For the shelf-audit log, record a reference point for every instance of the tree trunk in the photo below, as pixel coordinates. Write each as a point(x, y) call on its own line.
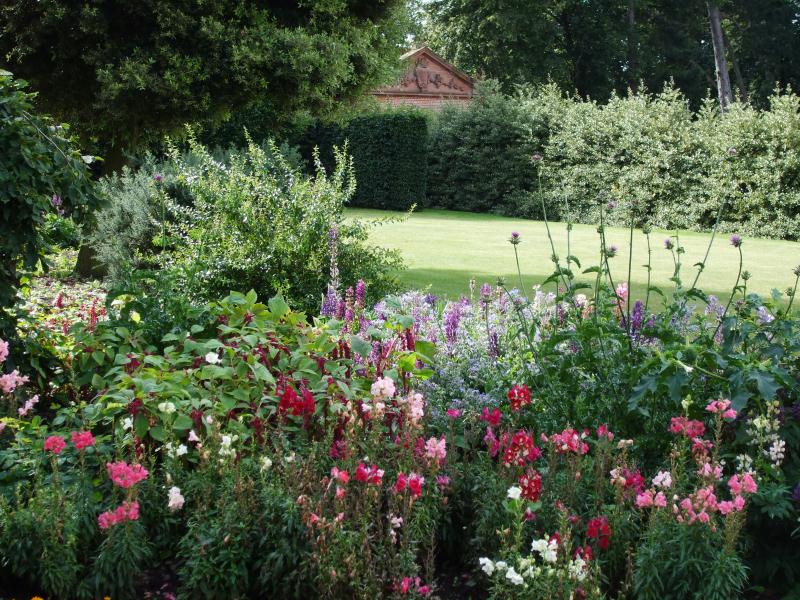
point(633, 47)
point(724, 91)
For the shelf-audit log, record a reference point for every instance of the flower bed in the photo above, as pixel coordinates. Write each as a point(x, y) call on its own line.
point(562, 446)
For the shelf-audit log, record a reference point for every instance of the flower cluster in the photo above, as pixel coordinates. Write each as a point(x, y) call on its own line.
point(54, 444)
point(82, 439)
point(519, 396)
point(369, 475)
point(294, 404)
point(124, 475)
point(127, 511)
point(688, 428)
point(599, 529)
point(722, 407)
point(411, 482)
point(521, 450)
point(568, 441)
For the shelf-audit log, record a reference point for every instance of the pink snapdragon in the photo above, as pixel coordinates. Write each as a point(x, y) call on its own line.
point(453, 413)
point(124, 475)
point(645, 499)
point(54, 444)
point(82, 440)
point(415, 483)
point(436, 450)
point(568, 441)
point(11, 381)
point(742, 483)
point(369, 475)
point(383, 388)
point(127, 511)
point(722, 407)
point(492, 417)
point(686, 427)
point(339, 475)
point(604, 432)
point(28, 406)
point(663, 480)
point(3, 350)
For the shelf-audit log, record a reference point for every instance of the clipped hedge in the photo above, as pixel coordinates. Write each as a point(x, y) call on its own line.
point(390, 155)
point(480, 155)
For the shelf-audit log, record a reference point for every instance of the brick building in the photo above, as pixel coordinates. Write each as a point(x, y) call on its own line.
point(429, 82)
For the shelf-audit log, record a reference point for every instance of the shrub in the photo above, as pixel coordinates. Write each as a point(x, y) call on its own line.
point(390, 155)
point(247, 220)
point(674, 167)
point(480, 155)
point(41, 174)
point(390, 159)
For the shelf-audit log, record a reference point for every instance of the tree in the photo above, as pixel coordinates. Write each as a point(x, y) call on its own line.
point(124, 72)
point(600, 47)
point(724, 90)
point(41, 173)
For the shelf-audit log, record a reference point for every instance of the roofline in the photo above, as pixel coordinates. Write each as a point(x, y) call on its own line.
point(445, 63)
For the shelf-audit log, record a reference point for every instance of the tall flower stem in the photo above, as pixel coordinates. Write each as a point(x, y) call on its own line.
point(733, 293)
point(702, 265)
point(649, 271)
point(519, 271)
point(554, 256)
point(628, 299)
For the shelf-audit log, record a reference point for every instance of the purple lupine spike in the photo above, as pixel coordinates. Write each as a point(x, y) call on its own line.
point(329, 303)
point(494, 344)
point(451, 321)
point(361, 289)
point(340, 308)
point(637, 317)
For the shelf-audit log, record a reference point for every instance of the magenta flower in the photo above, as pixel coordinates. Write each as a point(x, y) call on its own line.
point(54, 444)
point(736, 240)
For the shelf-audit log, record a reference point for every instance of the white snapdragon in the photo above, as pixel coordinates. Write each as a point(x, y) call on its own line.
point(212, 358)
point(487, 566)
point(175, 500)
point(266, 463)
point(127, 423)
point(663, 480)
point(514, 577)
point(577, 569)
point(226, 445)
point(174, 451)
point(514, 492)
point(167, 407)
point(776, 452)
point(383, 388)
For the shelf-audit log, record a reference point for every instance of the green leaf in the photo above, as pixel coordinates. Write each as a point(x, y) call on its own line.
point(158, 433)
point(141, 425)
point(278, 307)
point(360, 346)
point(182, 423)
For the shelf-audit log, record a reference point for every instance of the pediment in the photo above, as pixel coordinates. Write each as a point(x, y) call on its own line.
point(430, 74)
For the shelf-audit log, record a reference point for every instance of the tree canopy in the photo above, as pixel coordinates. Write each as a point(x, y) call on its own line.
point(123, 71)
point(597, 47)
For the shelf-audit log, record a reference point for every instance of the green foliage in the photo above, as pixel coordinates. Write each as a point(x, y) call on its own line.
point(39, 168)
point(601, 48)
point(480, 155)
point(665, 165)
point(390, 155)
point(678, 562)
point(246, 220)
point(155, 66)
point(390, 159)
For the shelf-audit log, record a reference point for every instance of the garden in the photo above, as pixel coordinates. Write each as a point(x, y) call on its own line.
point(247, 356)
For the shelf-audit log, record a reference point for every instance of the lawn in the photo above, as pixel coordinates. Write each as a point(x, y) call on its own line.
point(445, 249)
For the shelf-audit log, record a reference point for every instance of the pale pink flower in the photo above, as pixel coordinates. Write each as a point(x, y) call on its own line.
point(436, 450)
point(645, 499)
point(3, 350)
point(660, 500)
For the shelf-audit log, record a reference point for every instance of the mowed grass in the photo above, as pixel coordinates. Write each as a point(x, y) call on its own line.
point(445, 249)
